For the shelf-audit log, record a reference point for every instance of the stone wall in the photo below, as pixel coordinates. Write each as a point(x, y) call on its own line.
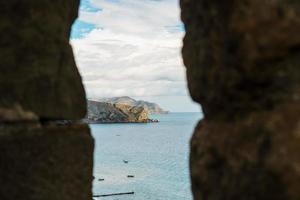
point(41, 159)
point(38, 71)
point(45, 162)
point(242, 60)
point(243, 67)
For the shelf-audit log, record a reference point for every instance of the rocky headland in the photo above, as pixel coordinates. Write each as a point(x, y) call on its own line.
point(116, 112)
point(152, 108)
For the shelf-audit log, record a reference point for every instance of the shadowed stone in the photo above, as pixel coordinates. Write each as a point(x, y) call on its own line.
point(37, 68)
point(39, 82)
point(240, 55)
point(47, 162)
point(242, 60)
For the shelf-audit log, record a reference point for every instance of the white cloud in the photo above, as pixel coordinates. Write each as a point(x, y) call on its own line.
point(135, 50)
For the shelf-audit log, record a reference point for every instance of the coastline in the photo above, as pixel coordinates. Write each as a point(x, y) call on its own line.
point(120, 122)
point(153, 159)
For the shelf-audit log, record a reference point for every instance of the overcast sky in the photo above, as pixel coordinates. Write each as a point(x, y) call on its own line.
point(132, 48)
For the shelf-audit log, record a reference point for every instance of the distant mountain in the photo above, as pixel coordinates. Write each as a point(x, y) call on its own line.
point(103, 112)
point(152, 108)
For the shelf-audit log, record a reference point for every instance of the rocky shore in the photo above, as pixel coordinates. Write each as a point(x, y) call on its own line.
point(103, 121)
point(103, 112)
point(152, 108)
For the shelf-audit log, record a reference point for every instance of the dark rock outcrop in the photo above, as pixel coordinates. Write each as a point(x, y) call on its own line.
point(152, 108)
point(40, 156)
point(45, 162)
point(106, 112)
point(242, 60)
point(37, 68)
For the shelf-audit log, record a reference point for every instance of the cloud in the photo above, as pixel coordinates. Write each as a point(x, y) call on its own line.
point(133, 48)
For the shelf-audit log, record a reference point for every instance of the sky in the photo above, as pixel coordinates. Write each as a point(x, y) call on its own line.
point(132, 48)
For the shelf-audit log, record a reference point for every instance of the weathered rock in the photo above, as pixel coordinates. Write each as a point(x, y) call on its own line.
point(235, 51)
point(242, 60)
point(101, 111)
point(107, 112)
point(16, 114)
point(45, 162)
point(134, 113)
point(41, 158)
point(37, 68)
point(152, 108)
point(255, 157)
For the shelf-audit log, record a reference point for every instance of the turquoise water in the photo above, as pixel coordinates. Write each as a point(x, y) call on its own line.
point(157, 155)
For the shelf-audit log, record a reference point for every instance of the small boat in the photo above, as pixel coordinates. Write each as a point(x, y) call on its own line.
point(130, 176)
point(101, 179)
point(125, 161)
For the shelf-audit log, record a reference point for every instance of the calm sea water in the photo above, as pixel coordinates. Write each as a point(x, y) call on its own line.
point(157, 155)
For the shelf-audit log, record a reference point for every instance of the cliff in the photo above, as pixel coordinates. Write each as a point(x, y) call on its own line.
point(103, 112)
point(152, 108)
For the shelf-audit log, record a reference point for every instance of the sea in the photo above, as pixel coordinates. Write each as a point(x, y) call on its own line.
point(155, 155)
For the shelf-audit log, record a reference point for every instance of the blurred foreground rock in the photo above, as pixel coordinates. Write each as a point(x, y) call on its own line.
point(37, 67)
point(50, 162)
point(40, 84)
point(243, 67)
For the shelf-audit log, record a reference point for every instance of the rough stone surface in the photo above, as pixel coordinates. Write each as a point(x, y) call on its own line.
point(46, 162)
point(42, 158)
point(242, 60)
point(134, 113)
point(152, 108)
point(107, 112)
point(104, 111)
point(37, 68)
point(240, 55)
point(16, 114)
